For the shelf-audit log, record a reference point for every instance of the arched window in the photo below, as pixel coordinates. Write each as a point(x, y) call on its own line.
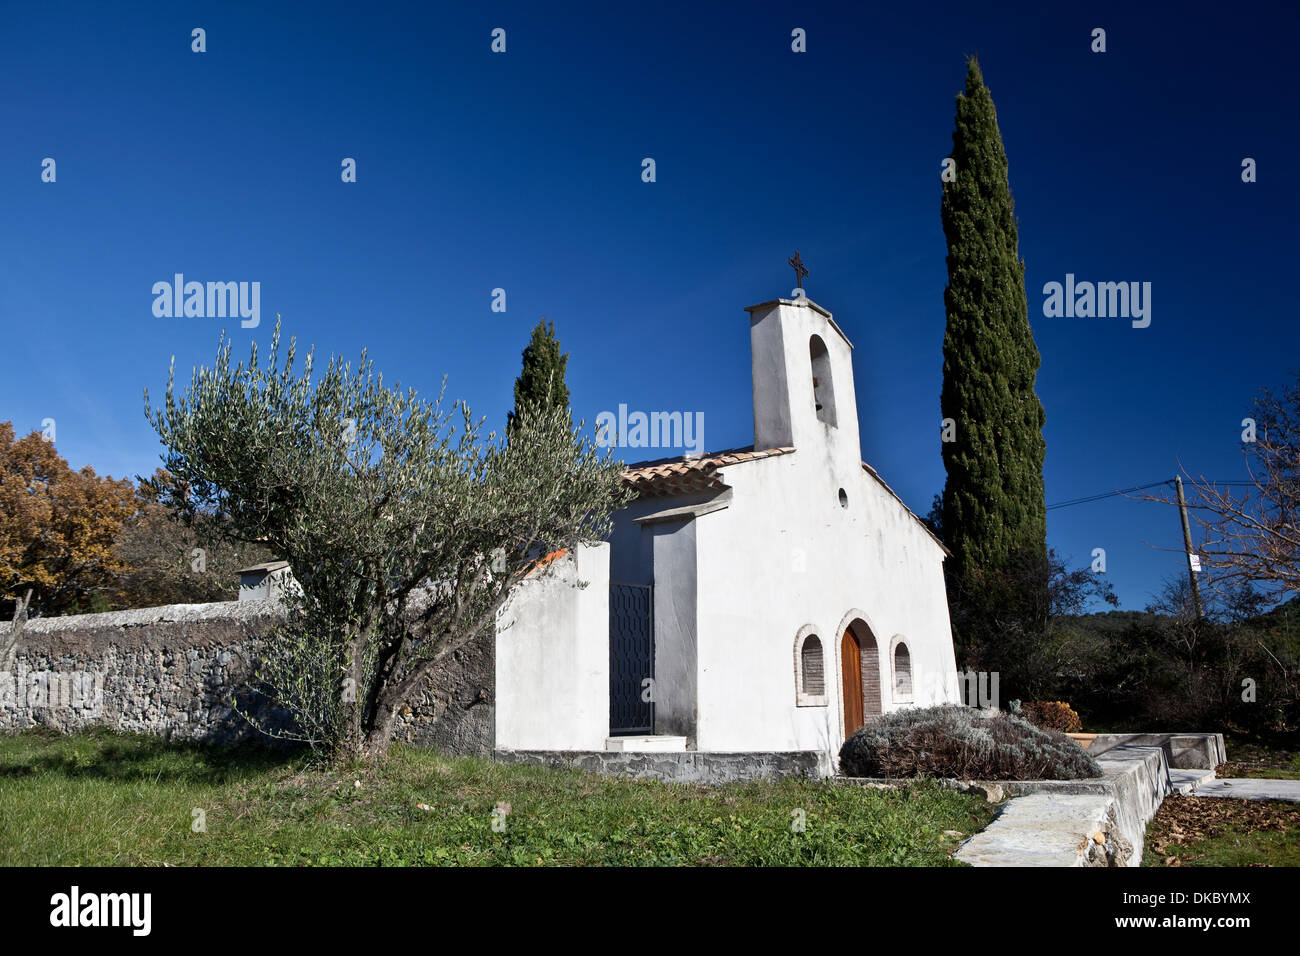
point(810, 670)
point(902, 672)
point(813, 667)
point(823, 386)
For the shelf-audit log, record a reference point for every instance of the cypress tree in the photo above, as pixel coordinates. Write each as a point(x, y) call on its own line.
point(541, 382)
point(993, 514)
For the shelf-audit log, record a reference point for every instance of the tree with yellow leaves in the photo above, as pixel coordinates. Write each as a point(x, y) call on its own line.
point(58, 527)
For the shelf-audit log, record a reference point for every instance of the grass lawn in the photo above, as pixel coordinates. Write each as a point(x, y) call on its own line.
point(1207, 831)
point(107, 799)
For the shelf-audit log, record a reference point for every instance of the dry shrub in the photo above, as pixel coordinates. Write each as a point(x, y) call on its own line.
point(962, 742)
point(1052, 715)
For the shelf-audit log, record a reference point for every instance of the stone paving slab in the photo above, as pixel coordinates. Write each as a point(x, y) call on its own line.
point(1247, 788)
point(1042, 829)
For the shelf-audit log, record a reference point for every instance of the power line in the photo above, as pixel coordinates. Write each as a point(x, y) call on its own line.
point(1125, 491)
point(1108, 494)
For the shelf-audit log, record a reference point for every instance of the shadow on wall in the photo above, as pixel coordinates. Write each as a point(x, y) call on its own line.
point(226, 698)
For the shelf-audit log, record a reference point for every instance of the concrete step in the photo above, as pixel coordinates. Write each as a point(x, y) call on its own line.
point(1185, 781)
point(650, 743)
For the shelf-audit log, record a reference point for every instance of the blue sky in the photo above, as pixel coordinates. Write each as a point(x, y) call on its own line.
point(522, 171)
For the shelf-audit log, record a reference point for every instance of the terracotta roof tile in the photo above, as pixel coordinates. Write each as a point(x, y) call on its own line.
point(545, 560)
point(675, 476)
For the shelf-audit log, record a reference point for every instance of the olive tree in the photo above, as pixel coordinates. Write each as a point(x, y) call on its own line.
point(406, 528)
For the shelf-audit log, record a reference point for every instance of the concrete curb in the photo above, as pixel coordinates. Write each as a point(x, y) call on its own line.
point(1185, 751)
point(1102, 825)
point(1097, 822)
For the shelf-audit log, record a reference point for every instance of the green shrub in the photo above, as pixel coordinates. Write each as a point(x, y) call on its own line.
point(962, 742)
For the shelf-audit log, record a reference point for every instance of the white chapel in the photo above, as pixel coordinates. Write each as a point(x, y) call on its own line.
point(762, 600)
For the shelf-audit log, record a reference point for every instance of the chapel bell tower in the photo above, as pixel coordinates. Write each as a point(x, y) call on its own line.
point(803, 377)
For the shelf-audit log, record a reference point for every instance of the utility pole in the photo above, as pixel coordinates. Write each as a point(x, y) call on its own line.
point(1187, 547)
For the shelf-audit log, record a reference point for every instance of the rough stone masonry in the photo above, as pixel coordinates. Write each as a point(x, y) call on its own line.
point(174, 670)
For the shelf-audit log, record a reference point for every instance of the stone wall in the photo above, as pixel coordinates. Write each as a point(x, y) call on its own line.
point(174, 671)
point(455, 712)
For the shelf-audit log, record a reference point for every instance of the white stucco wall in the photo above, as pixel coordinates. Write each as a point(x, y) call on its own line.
point(786, 555)
point(552, 658)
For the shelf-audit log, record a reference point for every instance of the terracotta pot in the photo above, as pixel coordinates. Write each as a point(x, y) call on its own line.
point(1083, 740)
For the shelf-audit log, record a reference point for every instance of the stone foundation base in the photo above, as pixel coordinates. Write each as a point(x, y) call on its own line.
point(691, 766)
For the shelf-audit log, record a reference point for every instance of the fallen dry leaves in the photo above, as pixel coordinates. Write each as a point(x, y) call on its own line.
point(1184, 820)
point(1227, 771)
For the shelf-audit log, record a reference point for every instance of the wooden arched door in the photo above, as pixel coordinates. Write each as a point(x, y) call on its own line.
point(851, 677)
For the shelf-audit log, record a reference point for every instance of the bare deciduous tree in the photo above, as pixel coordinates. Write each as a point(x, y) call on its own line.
point(1252, 536)
point(165, 561)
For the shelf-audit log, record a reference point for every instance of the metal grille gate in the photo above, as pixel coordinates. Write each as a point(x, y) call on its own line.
point(631, 658)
